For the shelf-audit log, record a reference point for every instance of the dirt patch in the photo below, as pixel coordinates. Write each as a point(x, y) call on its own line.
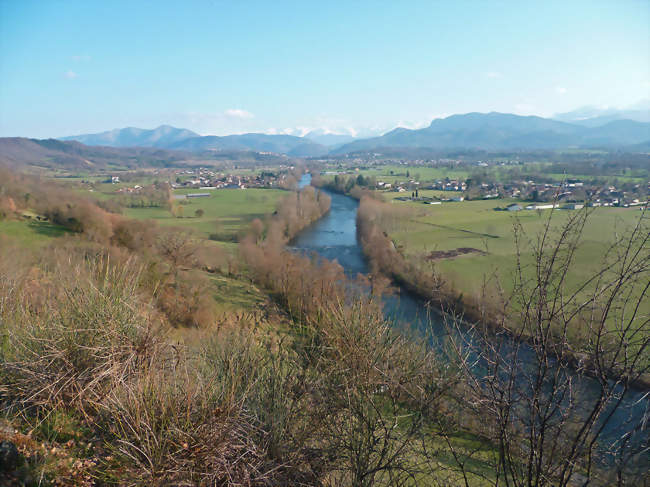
point(450, 254)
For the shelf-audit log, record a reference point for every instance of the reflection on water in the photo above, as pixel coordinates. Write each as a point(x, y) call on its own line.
point(334, 237)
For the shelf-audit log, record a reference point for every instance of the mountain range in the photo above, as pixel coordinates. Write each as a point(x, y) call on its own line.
point(323, 137)
point(503, 131)
point(279, 144)
point(584, 128)
point(163, 137)
point(591, 116)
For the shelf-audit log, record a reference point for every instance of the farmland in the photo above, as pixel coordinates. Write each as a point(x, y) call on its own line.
point(30, 233)
point(226, 213)
point(475, 225)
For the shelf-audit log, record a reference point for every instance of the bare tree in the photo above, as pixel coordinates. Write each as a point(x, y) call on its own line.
point(560, 394)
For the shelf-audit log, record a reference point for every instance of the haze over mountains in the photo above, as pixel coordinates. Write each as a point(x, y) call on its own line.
point(591, 116)
point(323, 137)
point(583, 128)
point(133, 147)
point(502, 131)
point(163, 137)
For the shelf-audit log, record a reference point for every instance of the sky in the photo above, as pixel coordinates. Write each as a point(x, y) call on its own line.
point(360, 67)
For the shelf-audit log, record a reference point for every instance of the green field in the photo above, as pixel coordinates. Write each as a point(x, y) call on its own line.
point(475, 225)
point(497, 173)
point(419, 173)
point(227, 212)
point(30, 233)
point(422, 193)
point(394, 173)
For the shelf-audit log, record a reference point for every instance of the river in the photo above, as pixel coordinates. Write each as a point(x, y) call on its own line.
point(334, 237)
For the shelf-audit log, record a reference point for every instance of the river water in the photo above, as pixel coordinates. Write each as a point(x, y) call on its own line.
point(334, 237)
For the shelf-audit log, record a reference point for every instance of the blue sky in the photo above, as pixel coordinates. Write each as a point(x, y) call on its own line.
point(220, 67)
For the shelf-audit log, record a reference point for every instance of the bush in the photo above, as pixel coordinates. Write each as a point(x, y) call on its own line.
point(91, 331)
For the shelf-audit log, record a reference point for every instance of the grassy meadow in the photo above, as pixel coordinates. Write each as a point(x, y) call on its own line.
point(30, 233)
point(475, 225)
point(227, 212)
point(392, 173)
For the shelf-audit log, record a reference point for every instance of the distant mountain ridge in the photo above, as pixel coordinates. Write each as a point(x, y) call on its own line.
point(503, 131)
point(167, 137)
point(279, 144)
point(484, 131)
point(590, 116)
point(163, 137)
point(328, 138)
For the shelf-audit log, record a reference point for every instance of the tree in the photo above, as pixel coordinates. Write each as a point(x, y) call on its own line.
point(199, 213)
point(178, 247)
point(556, 396)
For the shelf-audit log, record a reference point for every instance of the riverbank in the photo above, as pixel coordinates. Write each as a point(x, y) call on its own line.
point(495, 309)
point(527, 381)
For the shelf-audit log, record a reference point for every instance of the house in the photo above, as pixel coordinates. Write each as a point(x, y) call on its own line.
point(573, 206)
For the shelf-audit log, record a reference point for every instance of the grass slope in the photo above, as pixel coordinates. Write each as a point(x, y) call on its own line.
point(474, 224)
point(30, 233)
point(226, 212)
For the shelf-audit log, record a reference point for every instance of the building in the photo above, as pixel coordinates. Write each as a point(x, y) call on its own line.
point(573, 206)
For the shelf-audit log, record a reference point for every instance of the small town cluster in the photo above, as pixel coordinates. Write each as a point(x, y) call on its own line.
point(209, 179)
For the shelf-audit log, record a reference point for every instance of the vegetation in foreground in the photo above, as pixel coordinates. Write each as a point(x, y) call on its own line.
point(96, 389)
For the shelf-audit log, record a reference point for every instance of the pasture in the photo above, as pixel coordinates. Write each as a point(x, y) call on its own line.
point(226, 212)
point(476, 225)
point(30, 233)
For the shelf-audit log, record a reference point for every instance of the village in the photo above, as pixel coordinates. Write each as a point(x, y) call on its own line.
point(568, 194)
point(203, 178)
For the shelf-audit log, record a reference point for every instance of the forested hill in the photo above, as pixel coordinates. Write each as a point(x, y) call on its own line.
point(52, 153)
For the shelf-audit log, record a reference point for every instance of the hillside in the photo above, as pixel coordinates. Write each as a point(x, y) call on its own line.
point(51, 153)
point(501, 131)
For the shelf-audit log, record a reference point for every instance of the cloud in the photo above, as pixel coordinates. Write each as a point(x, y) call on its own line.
point(493, 74)
point(70, 74)
point(238, 113)
point(560, 90)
